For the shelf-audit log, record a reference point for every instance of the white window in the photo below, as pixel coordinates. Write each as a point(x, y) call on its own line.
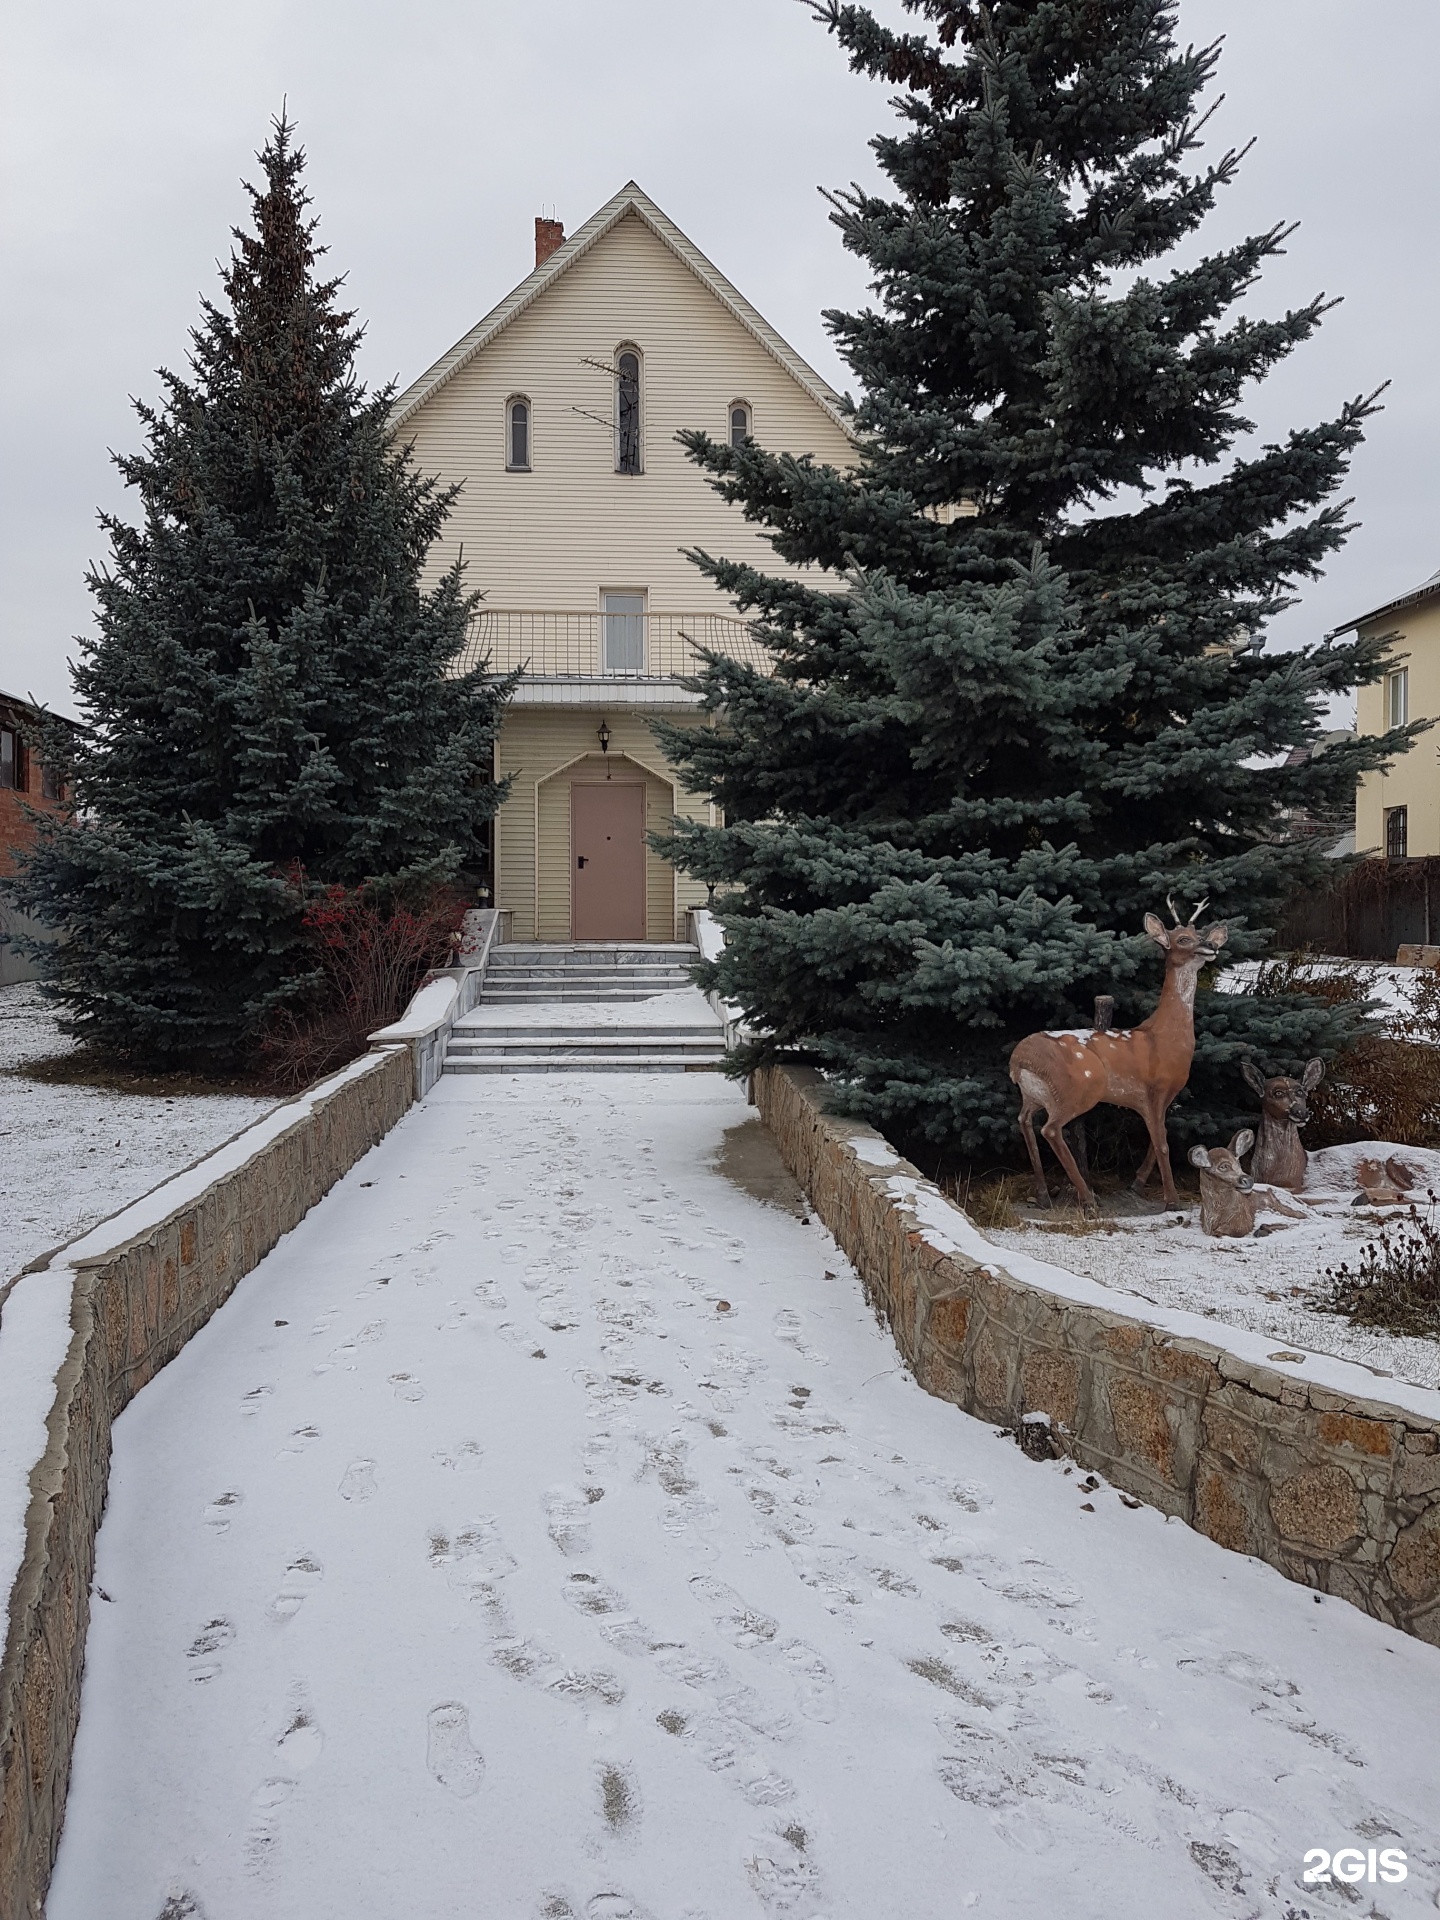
point(741, 422)
point(517, 434)
point(623, 625)
point(1397, 697)
point(629, 455)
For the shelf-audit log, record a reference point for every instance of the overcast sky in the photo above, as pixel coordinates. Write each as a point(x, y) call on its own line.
point(438, 129)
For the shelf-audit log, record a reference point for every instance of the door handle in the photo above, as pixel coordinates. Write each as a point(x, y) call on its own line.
point(580, 859)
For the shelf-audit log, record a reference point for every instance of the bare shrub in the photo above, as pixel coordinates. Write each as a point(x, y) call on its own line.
point(1396, 1283)
point(1383, 1087)
point(371, 952)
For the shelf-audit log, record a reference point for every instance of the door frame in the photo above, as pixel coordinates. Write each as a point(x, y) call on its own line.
point(644, 787)
point(617, 757)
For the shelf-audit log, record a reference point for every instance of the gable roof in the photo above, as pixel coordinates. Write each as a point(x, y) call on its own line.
point(1425, 591)
point(631, 200)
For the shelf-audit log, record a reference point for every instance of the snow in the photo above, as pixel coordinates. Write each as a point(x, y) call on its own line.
point(1393, 987)
point(1257, 1284)
point(71, 1155)
point(680, 1006)
point(428, 1009)
point(546, 1529)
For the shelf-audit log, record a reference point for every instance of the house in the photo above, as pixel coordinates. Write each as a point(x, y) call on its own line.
point(26, 782)
point(1397, 814)
point(558, 411)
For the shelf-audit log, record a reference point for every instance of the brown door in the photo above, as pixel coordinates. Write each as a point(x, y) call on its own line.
point(607, 841)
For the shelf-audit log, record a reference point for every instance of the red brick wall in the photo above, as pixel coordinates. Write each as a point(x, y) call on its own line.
point(16, 831)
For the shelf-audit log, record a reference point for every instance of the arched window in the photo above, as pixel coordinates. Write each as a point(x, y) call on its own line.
point(740, 422)
point(517, 434)
point(627, 411)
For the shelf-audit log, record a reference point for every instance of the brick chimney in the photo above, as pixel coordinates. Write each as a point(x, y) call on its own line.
point(549, 234)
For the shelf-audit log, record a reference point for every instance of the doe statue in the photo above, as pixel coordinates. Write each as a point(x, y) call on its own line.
point(1229, 1198)
point(1142, 1068)
point(1280, 1155)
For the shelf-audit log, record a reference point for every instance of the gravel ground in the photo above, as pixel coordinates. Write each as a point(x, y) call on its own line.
point(70, 1156)
point(1259, 1283)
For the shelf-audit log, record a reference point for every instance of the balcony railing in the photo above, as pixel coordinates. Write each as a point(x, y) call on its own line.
point(647, 646)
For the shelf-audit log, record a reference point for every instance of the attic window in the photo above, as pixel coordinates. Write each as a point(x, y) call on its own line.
point(740, 422)
point(517, 434)
point(627, 411)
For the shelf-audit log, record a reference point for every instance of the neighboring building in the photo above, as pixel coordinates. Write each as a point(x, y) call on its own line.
point(559, 412)
point(1397, 814)
point(25, 781)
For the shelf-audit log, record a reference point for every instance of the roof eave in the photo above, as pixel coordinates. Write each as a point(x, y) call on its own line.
point(630, 199)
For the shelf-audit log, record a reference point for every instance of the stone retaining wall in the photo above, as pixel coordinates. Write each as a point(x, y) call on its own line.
point(133, 1306)
point(1300, 1463)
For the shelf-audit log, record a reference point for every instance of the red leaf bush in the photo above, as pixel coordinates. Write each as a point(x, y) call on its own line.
point(371, 951)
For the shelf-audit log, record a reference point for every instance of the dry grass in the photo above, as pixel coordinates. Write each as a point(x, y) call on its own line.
point(1381, 1088)
point(82, 1067)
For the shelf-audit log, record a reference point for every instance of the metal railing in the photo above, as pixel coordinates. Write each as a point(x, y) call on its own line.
point(605, 645)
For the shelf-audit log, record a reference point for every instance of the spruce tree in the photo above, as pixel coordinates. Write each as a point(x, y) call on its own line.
point(1026, 696)
point(270, 697)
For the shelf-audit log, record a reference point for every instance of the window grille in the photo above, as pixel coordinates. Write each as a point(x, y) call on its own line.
point(1397, 833)
point(627, 411)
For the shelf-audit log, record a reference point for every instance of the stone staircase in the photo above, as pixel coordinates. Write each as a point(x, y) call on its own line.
point(580, 1009)
point(518, 974)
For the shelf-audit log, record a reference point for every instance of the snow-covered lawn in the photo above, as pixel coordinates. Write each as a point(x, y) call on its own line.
point(71, 1155)
point(1261, 1282)
point(546, 1531)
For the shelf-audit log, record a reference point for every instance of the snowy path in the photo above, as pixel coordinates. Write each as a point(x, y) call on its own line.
point(547, 1532)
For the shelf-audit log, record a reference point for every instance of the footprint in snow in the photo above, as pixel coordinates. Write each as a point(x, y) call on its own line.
point(300, 1439)
point(252, 1401)
point(299, 1746)
point(783, 1875)
point(181, 1904)
point(217, 1514)
point(474, 1559)
point(262, 1835)
point(301, 1578)
point(212, 1638)
point(359, 1481)
point(742, 1625)
point(619, 1794)
point(449, 1755)
point(406, 1386)
point(567, 1522)
point(467, 1457)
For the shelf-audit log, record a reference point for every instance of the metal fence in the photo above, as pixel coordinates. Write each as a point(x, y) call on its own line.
point(610, 645)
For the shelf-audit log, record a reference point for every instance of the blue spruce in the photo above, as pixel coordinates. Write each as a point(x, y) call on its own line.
point(1026, 695)
point(269, 695)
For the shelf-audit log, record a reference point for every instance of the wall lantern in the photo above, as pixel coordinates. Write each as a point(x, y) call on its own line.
point(604, 737)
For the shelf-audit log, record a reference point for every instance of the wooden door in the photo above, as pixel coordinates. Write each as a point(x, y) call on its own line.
point(607, 845)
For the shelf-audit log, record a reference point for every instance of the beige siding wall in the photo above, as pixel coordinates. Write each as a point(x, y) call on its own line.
point(547, 749)
point(1414, 781)
point(558, 535)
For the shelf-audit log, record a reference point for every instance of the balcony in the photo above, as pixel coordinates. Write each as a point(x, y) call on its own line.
point(608, 647)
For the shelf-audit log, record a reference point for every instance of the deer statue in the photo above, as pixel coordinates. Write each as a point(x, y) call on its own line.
point(1383, 1183)
point(1280, 1155)
point(1142, 1068)
point(1229, 1198)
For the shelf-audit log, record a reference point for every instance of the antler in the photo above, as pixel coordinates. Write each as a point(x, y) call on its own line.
point(1174, 910)
point(1197, 913)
